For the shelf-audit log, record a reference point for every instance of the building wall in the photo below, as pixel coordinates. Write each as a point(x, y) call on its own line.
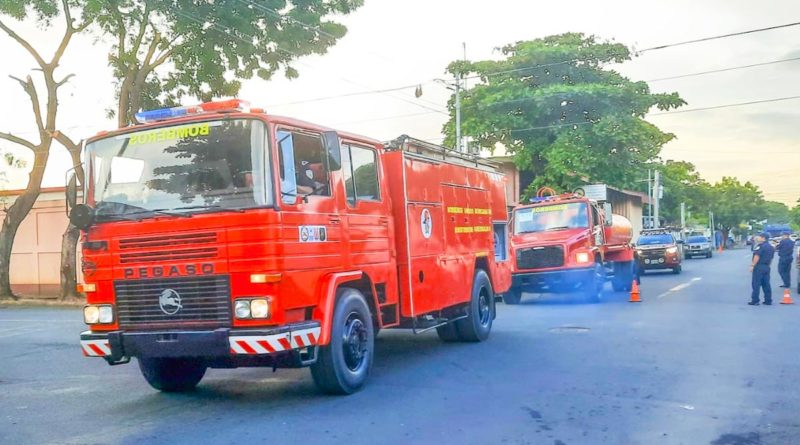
point(36, 254)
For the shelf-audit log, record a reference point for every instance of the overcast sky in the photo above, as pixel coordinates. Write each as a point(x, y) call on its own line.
point(393, 43)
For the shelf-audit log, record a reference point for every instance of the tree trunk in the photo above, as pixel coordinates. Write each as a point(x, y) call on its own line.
point(69, 262)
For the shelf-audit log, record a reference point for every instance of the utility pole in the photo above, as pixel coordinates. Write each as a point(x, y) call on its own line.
point(657, 194)
point(683, 217)
point(711, 228)
point(459, 146)
point(649, 199)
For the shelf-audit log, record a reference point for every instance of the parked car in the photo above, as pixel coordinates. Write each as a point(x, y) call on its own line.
point(698, 246)
point(658, 249)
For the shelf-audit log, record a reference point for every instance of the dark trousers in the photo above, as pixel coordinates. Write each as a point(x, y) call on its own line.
point(761, 282)
point(785, 271)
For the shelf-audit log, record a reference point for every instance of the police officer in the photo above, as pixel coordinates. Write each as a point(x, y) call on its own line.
point(785, 251)
point(762, 258)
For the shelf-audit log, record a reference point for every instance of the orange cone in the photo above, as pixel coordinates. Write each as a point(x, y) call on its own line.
point(787, 297)
point(635, 294)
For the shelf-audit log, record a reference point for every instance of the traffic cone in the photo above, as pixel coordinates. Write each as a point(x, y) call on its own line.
point(787, 297)
point(635, 294)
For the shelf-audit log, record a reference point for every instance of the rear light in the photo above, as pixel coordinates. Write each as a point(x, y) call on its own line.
point(86, 287)
point(98, 314)
point(206, 107)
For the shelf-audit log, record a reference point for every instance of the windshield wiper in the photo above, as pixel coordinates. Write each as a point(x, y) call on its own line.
point(552, 229)
point(212, 207)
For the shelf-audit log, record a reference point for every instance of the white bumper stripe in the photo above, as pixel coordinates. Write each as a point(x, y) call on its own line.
point(268, 344)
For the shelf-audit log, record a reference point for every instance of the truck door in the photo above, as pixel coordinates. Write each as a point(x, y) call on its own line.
point(310, 220)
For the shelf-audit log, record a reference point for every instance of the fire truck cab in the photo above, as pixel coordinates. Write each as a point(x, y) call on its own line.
point(219, 236)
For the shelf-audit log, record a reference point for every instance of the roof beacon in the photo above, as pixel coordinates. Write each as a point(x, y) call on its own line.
point(206, 107)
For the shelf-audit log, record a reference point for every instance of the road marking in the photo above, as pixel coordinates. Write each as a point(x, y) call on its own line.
point(680, 287)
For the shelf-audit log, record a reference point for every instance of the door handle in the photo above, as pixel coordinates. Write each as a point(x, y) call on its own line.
point(334, 220)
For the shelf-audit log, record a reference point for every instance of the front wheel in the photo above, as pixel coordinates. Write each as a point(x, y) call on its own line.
point(344, 364)
point(593, 287)
point(172, 374)
point(676, 270)
point(623, 276)
point(480, 313)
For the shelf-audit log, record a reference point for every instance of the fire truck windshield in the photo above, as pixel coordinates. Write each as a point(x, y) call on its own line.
point(180, 169)
point(551, 217)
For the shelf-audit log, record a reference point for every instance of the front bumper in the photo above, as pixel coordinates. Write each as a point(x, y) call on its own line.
point(659, 263)
point(552, 280)
point(692, 252)
point(218, 343)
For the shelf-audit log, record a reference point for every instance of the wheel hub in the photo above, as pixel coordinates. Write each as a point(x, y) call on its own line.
point(354, 344)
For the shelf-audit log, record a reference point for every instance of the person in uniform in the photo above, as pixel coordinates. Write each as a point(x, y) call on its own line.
point(785, 251)
point(762, 258)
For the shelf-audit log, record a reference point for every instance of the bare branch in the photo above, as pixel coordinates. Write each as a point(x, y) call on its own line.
point(18, 140)
point(24, 43)
point(64, 80)
point(30, 89)
point(142, 29)
point(67, 15)
point(64, 140)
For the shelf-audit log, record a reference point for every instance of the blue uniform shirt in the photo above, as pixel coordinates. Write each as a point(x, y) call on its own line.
point(765, 252)
point(786, 248)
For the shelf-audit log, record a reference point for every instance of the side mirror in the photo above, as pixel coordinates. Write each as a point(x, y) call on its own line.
point(680, 241)
point(331, 139)
point(72, 191)
point(81, 216)
point(608, 213)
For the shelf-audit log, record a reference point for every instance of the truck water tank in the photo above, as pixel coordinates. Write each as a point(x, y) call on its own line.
point(619, 232)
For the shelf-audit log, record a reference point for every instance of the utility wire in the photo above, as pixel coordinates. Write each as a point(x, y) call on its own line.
point(722, 70)
point(717, 107)
point(723, 36)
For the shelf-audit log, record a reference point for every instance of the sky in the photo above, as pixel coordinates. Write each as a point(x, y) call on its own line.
point(393, 43)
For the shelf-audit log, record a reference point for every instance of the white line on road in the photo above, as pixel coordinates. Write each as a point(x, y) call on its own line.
point(680, 287)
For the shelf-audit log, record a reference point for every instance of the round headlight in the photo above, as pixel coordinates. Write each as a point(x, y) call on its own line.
point(259, 308)
point(242, 309)
point(91, 314)
point(106, 314)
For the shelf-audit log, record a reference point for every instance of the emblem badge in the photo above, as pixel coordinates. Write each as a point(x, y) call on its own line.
point(170, 301)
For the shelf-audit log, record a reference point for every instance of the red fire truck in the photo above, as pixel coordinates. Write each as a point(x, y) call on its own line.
point(569, 243)
point(220, 236)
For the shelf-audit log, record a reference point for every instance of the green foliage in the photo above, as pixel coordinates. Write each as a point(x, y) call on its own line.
point(734, 203)
point(794, 215)
point(683, 184)
point(776, 212)
point(565, 116)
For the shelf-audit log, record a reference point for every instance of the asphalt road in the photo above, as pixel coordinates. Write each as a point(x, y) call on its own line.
point(693, 364)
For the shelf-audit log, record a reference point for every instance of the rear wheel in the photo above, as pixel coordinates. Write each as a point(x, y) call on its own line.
point(344, 364)
point(480, 314)
point(623, 276)
point(676, 270)
point(172, 374)
point(448, 333)
point(513, 296)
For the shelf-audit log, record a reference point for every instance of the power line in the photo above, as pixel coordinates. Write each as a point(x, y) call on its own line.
point(338, 96)
point(706, 39)
point(722, 70)
point(717, 107)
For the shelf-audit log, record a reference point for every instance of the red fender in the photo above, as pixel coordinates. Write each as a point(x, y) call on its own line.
point(324, 311)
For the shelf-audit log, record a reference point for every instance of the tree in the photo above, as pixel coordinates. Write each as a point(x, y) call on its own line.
point(795, 215)
point(776, 212)
point(734, 203)
point(44, 110)
point(565, 116)
point(165, 50)
point(682, 184)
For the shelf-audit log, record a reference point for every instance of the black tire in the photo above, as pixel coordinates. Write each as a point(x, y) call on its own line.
point(513, 296)
point(344, 364)
point(676, 270)
point(448, 333)
point(709, 255)
point(480, 313)
point(623, 276)
point(172, 374)
point(593, 287)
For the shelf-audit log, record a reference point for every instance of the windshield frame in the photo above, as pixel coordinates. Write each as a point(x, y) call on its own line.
point(265, 192)
point(659, 235)
point(697, 239)
point(516, 220)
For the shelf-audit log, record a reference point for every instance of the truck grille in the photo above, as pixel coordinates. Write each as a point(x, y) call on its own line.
point(653, 253)
point(174, 247)
point(540, 257)
point(204, 301)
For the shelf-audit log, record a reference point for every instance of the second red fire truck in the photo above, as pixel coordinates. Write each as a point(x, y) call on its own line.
point(220, 236)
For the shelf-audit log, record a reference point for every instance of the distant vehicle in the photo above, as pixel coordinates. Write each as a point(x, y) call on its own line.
point(698, 246)
point(776, 230)
point(658, 249)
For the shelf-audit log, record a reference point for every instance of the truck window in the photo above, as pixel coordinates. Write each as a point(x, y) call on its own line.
point(303, 166)
point(360, 170)
point(551, 217)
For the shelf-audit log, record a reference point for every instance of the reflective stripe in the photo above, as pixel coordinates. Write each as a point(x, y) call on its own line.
point(95, 348)
point(268, 344)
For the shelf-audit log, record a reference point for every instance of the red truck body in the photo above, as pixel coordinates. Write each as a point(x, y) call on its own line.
point(569, 243)
point(261, 270)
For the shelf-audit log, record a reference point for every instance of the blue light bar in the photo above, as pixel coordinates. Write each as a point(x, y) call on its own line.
point(161, 114)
